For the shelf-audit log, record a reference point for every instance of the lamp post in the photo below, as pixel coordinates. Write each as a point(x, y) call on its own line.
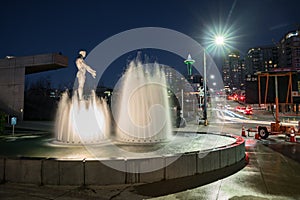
point(204, 89)
point(219, 40)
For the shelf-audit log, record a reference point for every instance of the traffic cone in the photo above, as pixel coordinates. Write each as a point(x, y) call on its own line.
point(257, 137)
point(243, 132)
point(246, 157)
point(293, 137)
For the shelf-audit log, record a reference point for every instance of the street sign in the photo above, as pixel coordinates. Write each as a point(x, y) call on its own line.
point(201, 92)
point(295, 94)
point(13, 121)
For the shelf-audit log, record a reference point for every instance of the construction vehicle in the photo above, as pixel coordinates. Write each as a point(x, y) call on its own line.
point(276, 127)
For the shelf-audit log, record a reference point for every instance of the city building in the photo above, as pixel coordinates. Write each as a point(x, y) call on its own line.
point(290, 50)
point(233, 71)
point(285, 54)
point(282, 61)
point(243, 73)
point(12, 78)
point(261, 59)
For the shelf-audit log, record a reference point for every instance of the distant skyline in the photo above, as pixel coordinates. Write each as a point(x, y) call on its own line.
point(35, 27)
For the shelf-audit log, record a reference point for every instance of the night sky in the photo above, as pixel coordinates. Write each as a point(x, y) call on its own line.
point(30, 27)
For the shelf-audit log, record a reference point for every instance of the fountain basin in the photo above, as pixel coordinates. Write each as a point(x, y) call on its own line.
point(79, 165)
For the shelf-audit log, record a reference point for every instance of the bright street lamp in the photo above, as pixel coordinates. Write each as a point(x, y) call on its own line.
point(204, 87)
point(220, 41)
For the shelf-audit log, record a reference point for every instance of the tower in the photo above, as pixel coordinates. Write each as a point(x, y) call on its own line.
point(189, 63)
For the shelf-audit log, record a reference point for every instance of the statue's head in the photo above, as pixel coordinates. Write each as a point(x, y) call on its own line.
point(82, 53)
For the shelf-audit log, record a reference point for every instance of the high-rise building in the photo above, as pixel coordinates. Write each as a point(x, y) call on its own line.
point(280, 60)
point(290, 50)
point(262, 59)
point(232, 71)
point(244, 72)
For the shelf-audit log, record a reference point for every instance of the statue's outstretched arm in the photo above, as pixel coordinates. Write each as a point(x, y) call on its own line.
point(89, 69)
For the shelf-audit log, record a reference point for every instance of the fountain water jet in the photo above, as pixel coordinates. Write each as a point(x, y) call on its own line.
point(140, 105)
point(82, 121)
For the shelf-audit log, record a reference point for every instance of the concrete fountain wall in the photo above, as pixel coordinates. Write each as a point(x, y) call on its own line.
point(51, 171)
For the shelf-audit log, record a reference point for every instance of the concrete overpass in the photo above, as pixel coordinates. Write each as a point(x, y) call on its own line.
point(12, 78)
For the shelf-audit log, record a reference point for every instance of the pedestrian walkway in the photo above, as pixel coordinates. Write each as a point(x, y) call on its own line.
point(269, 175)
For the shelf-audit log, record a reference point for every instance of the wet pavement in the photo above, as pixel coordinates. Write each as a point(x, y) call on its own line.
point(268, 175)
point(284, 147)
point(273, 172)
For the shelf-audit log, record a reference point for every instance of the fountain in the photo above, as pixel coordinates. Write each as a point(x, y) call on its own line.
point(140, 105)
point(140, 109)
point(82, 121)
point(142, 121)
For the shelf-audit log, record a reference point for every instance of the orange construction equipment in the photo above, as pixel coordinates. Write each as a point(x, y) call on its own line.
point(257, 137)
point(243, 132)
point(276, 127)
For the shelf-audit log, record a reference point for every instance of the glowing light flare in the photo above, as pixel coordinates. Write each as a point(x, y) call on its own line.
point(220, 40)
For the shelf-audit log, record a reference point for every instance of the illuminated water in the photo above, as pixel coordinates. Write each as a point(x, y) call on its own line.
point(140, 109)
point(140, 105)
point(82, 121)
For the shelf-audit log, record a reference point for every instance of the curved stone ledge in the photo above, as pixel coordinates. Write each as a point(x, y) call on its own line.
point(51, 171)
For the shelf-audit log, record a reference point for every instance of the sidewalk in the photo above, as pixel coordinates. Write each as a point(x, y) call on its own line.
point(269, 175)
